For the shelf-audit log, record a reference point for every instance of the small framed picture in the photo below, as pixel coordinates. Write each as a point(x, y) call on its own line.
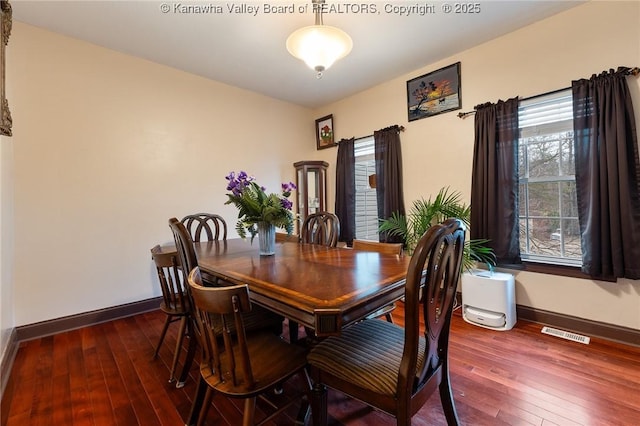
point(434, 93)
point(324, 132)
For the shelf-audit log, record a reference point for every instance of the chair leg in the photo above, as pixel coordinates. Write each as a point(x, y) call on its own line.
point(191, 353)
point(319, 405)
point(249, 411)
point(305, 406)
point(196, 405)
point(176, 353)
point(206, 403)
point(165, 327)
point(446, 398)
point(389, 317)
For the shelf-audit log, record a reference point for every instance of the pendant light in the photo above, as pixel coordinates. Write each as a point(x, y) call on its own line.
point(319, 45)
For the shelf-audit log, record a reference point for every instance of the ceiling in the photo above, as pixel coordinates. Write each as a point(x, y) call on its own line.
point(247, 49)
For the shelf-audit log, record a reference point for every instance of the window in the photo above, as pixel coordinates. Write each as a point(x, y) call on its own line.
point(366, 201)
point(548, 212)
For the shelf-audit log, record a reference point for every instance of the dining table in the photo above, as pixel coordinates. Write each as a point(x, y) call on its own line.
point(322, 288)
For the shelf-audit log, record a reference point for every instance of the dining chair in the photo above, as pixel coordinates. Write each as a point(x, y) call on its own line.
point(175, 302)
point(238, 362)
point(258, 318)
point(211, 226)
point(392, 368)
point(281, 237)
point(320, 228)
point(205, 227)
point(387, 248)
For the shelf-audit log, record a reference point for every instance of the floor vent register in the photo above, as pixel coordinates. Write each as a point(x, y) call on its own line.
point(566, 335)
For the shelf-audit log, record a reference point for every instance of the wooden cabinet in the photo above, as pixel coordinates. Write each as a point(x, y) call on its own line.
point(311, 195)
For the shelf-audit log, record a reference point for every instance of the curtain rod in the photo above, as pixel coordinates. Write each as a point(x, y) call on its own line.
point(630, 71)
point(395, 126)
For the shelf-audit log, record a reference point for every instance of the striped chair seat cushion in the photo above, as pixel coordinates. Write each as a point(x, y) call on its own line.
point(367, 354)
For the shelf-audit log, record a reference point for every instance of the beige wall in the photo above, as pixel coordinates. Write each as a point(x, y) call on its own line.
point(107, 147)
point(6, 244)
point(437, 151)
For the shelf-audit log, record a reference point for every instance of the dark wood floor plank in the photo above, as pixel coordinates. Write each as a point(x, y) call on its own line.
point(17, 398)
point(155, 388)
point(519, 377)
point(132, 384)
point(78, 387)
point(123, 408)
point(572, 390)
point(98, 387)
point(63, 399)
point(42, 411)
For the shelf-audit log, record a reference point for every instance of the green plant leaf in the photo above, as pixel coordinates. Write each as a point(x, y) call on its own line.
point(426, 213)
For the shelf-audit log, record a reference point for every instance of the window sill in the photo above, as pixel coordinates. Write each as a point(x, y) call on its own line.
point(546, 268)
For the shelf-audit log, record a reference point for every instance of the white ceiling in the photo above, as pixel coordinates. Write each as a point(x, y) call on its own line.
point(249, 51)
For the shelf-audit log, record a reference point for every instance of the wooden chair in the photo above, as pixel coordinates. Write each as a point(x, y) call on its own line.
point(281, 237)
point(212, 226)
point(258, 318)
point(205, 227)
point(392, 368)
point(387, 248)
point(175, 302)
point(320, 228)
point(242, 363)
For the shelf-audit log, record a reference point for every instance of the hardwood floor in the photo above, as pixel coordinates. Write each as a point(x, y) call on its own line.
point(104, 375)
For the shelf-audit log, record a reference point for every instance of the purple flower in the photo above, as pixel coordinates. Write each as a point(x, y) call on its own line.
point(256, 205)
point(237, 184)
point(286, 203)
point(288, 187)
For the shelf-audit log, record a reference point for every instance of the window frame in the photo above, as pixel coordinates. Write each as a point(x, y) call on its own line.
point(535, 262)
point(365, 147)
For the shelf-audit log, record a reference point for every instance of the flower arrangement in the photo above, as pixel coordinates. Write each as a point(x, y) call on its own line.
point(254, 205)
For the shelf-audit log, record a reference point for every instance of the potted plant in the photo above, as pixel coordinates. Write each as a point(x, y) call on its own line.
point(425, 213)
point(260, 213)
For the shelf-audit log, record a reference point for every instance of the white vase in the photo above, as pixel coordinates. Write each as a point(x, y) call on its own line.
point(267, 238)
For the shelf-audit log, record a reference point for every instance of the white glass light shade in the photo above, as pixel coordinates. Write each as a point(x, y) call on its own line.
point(319, 46)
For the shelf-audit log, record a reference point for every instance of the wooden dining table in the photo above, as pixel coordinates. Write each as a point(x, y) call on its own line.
point(323, 288)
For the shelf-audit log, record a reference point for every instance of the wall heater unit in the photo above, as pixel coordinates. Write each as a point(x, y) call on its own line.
point(488, 299)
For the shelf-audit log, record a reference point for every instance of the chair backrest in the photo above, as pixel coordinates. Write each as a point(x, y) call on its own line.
point(436, 263)
point(282, 237)
point(184, 245)
point(320, 228)
point(228, 359)
point(171, 279)
point(208, 225)
point(388, 248)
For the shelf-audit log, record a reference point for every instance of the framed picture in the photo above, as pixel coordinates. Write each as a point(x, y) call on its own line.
point(324, 132)
point(5, 31)
point(434, 93)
